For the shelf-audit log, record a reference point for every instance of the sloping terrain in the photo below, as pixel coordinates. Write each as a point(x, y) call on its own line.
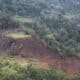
point(32, 47)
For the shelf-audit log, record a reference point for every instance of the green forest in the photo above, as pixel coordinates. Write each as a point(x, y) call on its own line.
point(56, 27)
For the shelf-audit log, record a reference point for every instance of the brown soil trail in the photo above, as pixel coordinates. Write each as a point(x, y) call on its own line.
point(32, 47)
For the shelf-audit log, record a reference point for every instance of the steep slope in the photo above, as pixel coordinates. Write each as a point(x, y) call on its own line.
point(33, 48)
point(52, 14)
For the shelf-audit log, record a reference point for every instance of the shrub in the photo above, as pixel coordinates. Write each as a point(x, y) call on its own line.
point(6, 21)
point(11, 70)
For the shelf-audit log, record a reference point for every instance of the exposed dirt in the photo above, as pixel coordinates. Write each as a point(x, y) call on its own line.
point(34, 48)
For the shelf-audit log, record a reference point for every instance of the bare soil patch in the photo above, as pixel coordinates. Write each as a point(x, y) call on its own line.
point(34, 48)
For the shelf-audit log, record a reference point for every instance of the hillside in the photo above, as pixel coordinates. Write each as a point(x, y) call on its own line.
point(39, 39)
point(28, 46)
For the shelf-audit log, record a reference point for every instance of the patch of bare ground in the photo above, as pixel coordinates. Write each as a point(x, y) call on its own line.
point(34, 62)
point(34, 48)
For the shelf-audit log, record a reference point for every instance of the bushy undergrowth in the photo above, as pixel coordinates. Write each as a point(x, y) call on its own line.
point(6, 21)
point(11, 70)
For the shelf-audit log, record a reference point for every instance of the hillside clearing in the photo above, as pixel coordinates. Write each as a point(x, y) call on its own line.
point(31, 49)
point(18, 35)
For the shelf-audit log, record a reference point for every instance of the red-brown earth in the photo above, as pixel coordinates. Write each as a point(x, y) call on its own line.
point(34, 48)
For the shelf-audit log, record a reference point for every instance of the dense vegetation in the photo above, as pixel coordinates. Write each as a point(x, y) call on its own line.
point(11, 70)
point(61, 34)
point(40, 7)
point(56, 22)
point(6, 21)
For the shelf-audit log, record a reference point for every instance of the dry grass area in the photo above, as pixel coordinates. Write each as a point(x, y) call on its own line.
point(18, 35)
point(35, 62)
point(21, 60)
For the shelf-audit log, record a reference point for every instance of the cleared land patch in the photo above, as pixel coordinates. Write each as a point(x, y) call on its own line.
point(31, 48)
point(18, 35)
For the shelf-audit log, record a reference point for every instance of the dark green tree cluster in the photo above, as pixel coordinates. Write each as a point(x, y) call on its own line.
point(61, 33)
point(39, 7)
point(6, 21)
